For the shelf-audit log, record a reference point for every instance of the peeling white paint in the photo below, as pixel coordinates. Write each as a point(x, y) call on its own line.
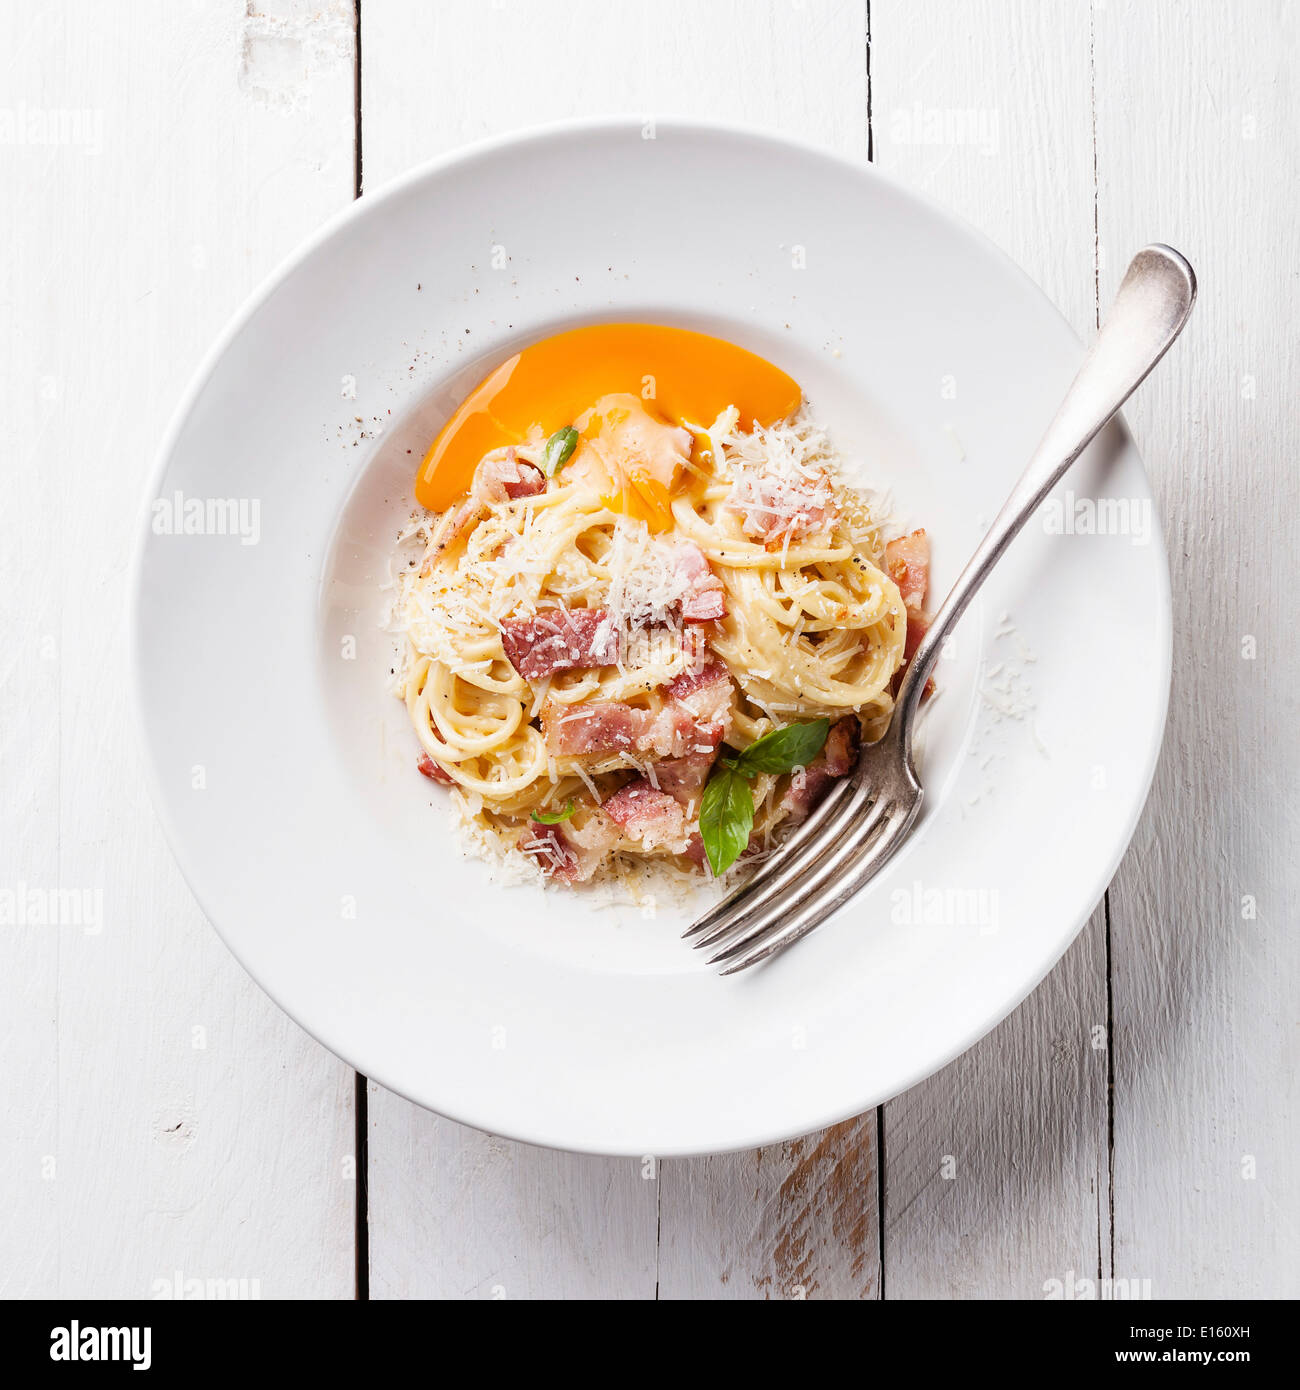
point(285, 46)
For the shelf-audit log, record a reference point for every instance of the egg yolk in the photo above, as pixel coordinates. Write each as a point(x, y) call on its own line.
point(631, 459)
point(628, 388)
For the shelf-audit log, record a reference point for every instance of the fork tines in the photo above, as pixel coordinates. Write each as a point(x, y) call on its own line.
point(844, 872)
point(845, 841)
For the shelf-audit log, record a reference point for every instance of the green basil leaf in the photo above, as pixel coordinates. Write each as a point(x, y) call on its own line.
point(726, 818)
point(559, 449)
point(783, 750)
point(554, 817)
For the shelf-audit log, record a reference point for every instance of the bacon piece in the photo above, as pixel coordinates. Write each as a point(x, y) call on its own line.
point(433, 772)
point(674, 731)
point(777, 510)
point(704, 599)
point(707, 693)
point(693, 719)
point(501, 477)
point(705, 605)
point(606, 726)
point(530, 482)
point(843, 744)
point(695, 716)
point(837, 759)
point(907, 559)
point(688, 730)
point(646, 814)
point(558, 639)
point(695, 852)
point(684, 778)
point(613, 727)
point(555, 856)
point(569, 852)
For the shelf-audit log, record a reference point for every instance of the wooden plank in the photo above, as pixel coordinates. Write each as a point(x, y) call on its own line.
point(456, 1213)
point(795, 1221)
point(165, 1116)
point(1196, 122)
point(987, 108)
point(996, 1169)
point(30, 678)
point(434, 77)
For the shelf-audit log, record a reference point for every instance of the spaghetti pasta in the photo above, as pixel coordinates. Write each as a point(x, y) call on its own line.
point(582, 649)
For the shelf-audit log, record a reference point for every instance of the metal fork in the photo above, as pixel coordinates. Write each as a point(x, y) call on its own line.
point(850, 837)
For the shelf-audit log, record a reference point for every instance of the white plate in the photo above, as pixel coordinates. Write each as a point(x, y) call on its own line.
point(284, 771)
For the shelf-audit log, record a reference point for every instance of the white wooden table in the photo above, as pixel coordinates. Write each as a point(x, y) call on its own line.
point(1135, 1119)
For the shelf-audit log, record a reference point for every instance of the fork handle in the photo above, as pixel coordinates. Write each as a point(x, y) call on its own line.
point(1150, 309)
